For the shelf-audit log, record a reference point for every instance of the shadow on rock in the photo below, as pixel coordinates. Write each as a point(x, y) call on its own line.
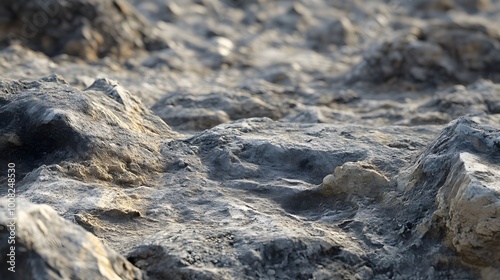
point(48, 122)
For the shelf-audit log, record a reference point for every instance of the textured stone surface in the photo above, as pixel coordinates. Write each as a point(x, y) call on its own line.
point(93, 29)
point(262, 139)
point(456, 51)
point(246, 198)
point(460, 169)
point(354, 178)
point(445, 5)
point(48, 121)
point(49, 247)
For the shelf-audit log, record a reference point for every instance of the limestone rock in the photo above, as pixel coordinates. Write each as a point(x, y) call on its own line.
point(48, 121)
point(477, 100)
point(94, 28)
point(458, 171)
point(441, 53)
point(207, 109)
point(354, 178)
point(338, 32)
point(49, 247)
point(227, 202)
point(238, 197)
point(469, 205)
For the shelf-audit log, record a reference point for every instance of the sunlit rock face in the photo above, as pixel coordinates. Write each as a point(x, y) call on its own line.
point(51, 247)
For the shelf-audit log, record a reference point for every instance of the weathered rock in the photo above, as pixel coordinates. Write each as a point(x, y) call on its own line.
point(469, 205)
point(207, 109)
point(445, 5)
point(296, 18)
point(238, 200)
point(354, 178)
point(94, 28)
point(48, 121)
point(449, 52)
point(456, 176)
point(244, 199)
point(49, 247)
point(338, 32)
point(230, 254)
point(478, 100)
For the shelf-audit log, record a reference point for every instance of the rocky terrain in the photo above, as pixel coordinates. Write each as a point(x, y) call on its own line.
point(224, 139)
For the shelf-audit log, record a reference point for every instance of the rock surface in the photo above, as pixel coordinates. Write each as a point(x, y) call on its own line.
point(206, 139)
point(94, 28)
point(453, 51)
point(47, 247)
point(48, 121)
point(461, 164)
point(356, 178)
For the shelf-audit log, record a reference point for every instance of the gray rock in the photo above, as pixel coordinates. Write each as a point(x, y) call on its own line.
point(445, 5)
point(454, 180)
point(86, 28)
point(50, 247)
point(333, 180)
point(203, 110)
point(445, 52)
point(478, 100)
point(337, 32)
point(48, 122)
point(242, 199)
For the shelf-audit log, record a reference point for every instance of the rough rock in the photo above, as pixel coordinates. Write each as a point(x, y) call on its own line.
point(305, 139)
point(94, 29)
point(242, 199)
point(458, 172)
point(457, 52)
point(445, 5)
point(477, 100)
point(50, 247)
point(354, 178)
point(339, 32)
point(260, 163)
point(48, 121)
point(195, 111)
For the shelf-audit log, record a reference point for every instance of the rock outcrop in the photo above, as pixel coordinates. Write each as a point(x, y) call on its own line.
point(50, 247)
point(458, 172)
point(270, 139)
point(254, 198)
point(443, 52)
point(48, 122)
point(86, 28)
